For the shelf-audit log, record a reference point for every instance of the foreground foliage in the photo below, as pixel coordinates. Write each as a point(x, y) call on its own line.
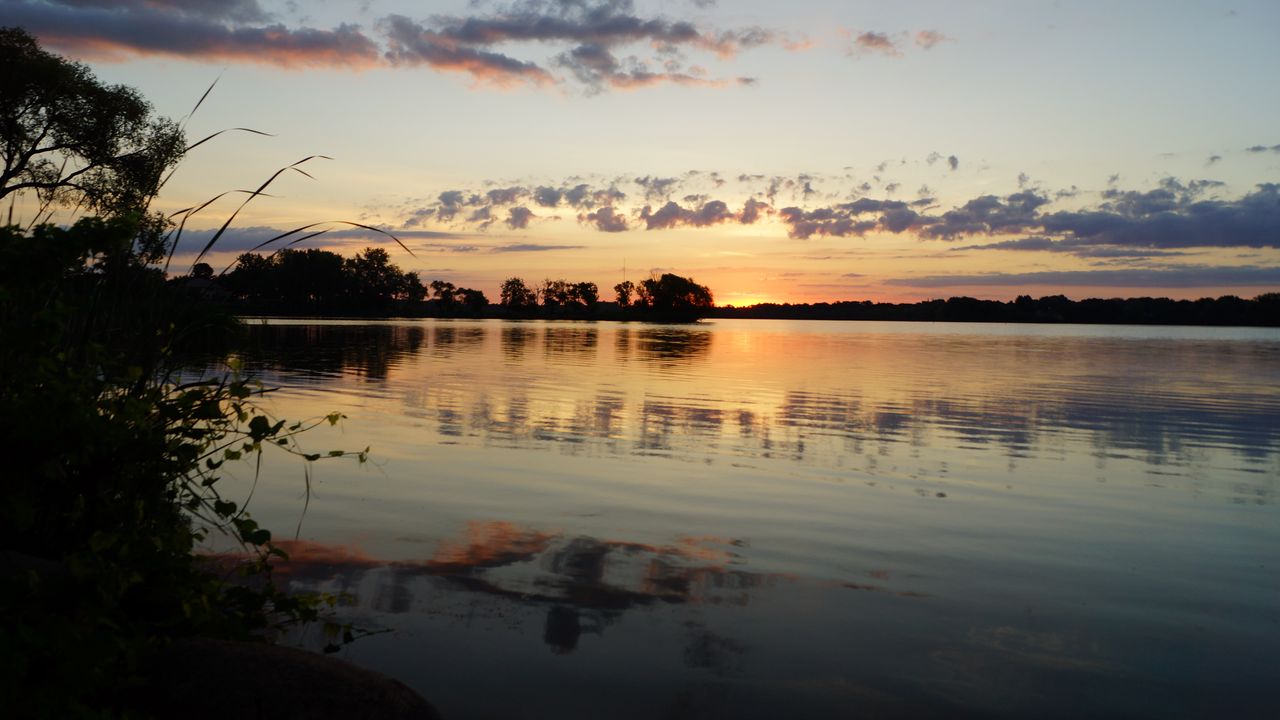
point(112, 481)
point(114, 478)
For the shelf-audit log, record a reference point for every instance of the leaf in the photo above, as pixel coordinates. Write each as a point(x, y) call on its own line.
point(259, 427)
point(100, 541)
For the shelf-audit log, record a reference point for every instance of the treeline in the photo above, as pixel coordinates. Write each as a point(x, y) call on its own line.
point(1263, 310)
point(320, 282)
point(312, 282)
point(670, 298)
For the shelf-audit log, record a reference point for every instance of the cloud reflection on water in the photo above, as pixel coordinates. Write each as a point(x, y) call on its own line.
point(633, 390)
point(584, 584)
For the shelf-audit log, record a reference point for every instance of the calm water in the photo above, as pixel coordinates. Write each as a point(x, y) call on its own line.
point(771, 519)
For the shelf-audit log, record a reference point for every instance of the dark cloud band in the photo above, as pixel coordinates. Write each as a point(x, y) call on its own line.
point(1194, 276)
point(596, 40)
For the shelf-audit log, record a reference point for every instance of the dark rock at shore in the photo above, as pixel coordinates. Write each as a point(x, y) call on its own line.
point(202, 678)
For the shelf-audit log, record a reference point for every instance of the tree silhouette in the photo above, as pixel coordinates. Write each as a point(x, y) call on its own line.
point(73, 140)
point(444, 293)
point(624, 291)
point(517, 298)
point(314, 281)
point(672, 297)
point(309, 277)
point(587, 295)
point(472, 300)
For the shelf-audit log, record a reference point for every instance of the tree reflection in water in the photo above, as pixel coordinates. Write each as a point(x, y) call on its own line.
point(584, 584)
point(494, 392)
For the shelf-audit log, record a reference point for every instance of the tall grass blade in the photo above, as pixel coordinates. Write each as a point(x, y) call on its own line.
point(202, 97)
point(186, 214)
point(207, 138)
point(216, 236)
point(304, 228)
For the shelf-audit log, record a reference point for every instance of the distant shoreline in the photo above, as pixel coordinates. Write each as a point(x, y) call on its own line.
point(1227, 311)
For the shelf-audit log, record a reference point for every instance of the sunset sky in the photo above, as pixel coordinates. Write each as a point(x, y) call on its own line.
point(799, 151)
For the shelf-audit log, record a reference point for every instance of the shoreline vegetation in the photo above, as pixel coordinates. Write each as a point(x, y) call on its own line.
point(312, 282)
point(320, 283)
point(113, 605)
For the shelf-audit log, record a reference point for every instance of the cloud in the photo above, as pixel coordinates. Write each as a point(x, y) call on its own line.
point(547, 196)
point(605, 219)
point(234, 10)
point(928, 39)
point(505, 196)
point(875, 42)
point(533, 247)
point(1263, 148)
point(1118, 224)
point(713, 212)
point(986, 215)
point(482, 216)
point(656, 189)
point(1213, 160)
point(176, 28)
point(592, 31)
point(412, 44)
point(751, 211)
point(586, 36)
point(952, 161)
point(1044, 244)
point(450, 203)
point(603, 22)
point(804, 224)
point(1173, 218)
point(481, 205)
point(518, 217)
point(1192, 276)
point(1174, 215)
point(402, 233)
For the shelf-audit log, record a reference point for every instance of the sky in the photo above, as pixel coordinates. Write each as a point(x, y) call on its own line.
point(777, 152)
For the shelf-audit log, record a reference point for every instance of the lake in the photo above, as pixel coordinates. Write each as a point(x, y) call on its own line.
point(789, 519)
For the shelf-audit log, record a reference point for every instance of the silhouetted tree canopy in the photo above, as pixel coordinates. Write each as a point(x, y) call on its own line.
point(673, 297)
point(319, 281)
point(474, 300)
point(624, 290)
point(561, 297)
point(454, 300)
point(72, 140)
point(516, 297)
